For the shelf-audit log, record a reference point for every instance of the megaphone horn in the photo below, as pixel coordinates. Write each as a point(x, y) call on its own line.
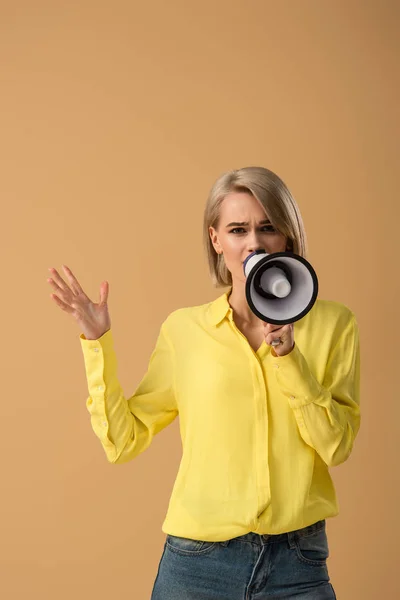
point(281, 287)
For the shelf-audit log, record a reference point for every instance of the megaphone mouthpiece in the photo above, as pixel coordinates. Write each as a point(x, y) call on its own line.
point(275, 282)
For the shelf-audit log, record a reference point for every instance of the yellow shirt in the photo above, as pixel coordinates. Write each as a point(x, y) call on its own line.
point(259, 432)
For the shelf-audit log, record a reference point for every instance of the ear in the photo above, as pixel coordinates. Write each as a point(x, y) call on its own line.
point(214, 240)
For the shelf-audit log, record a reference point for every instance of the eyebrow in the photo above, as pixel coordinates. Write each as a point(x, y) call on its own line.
point(246, 223)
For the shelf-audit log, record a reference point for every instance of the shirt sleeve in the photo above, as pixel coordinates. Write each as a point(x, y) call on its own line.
point(126, 426)
point(328, 415)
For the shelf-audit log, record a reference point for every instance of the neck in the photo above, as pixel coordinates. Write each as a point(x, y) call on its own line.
point(240, 307)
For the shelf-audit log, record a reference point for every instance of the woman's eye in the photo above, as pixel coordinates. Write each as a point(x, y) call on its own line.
point(268, 227)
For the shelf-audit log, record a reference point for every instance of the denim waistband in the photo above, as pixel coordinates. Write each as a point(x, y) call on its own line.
point(269, 538)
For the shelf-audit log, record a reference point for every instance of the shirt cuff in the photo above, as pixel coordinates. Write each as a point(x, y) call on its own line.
point(100, 360)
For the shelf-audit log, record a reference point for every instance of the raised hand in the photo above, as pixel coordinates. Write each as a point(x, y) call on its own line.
point(93, 319)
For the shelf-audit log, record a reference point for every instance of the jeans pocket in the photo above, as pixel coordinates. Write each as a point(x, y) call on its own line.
point(313, 548)
point(183, 545)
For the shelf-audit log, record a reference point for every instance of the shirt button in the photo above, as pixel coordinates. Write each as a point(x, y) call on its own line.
point(276, 366)
point(105, 423)
point(100, 387)
point(95, 349)
point(292, 397)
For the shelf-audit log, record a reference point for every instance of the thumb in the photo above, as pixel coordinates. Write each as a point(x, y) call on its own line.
point(103, 292)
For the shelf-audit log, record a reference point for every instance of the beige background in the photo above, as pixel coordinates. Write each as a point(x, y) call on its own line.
point(116, 119)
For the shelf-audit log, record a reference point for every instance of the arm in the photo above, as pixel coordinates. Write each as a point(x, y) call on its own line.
point(125, 427)
point(328, 415)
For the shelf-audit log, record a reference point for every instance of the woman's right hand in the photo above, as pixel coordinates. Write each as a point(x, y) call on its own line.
point(93, 319)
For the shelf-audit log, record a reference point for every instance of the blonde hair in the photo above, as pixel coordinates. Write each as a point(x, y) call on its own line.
point(277, 201)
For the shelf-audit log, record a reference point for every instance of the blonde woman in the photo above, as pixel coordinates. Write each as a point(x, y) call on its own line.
point(261, 424)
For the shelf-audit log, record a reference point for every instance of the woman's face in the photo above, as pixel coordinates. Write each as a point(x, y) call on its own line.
point(236, 242)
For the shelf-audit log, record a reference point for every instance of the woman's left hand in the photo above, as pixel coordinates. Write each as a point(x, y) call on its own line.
point(285, 332)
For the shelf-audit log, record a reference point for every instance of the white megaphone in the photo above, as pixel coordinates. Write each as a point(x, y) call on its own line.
point(281, 287)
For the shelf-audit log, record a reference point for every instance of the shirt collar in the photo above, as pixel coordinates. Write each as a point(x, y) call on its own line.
point(220, 308)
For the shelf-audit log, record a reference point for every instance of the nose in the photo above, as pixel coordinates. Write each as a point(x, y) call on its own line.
point(253, 249)
point(254, 245)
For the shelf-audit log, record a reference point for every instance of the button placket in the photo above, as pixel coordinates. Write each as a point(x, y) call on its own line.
point(263, 477)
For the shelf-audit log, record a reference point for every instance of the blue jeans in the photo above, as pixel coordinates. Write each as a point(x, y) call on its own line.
point(248, 567)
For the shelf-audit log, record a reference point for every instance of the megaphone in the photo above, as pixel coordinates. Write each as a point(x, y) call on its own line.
point(281, 287)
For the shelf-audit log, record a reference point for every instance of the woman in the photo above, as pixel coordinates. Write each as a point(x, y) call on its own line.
point(260, 424)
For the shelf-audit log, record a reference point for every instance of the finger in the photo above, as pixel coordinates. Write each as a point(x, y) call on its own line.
point(64, 296)
point(75, 286)
point(104, 292)
point(62, 304)
point(270, 328)
point(59, 280)
point(55, 286)
point(276, 334)
point(272, 341)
